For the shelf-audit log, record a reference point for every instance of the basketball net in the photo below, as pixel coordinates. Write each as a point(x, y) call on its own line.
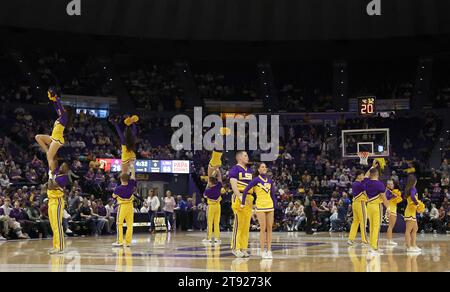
point(363, 157)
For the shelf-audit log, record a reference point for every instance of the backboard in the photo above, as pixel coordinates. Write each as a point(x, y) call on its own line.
point(374, 141)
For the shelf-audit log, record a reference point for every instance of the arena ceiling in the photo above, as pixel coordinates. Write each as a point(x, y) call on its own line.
point(240, 20)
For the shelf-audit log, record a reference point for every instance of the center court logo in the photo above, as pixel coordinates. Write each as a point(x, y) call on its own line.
point(236, 138)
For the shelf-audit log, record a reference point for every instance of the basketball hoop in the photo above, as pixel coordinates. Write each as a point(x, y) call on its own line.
point(363, 157)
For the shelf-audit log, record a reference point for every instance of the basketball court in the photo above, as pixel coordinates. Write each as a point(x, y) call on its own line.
point(183, 252)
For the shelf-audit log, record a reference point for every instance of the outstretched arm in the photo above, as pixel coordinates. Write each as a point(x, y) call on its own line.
point(375, 163)
point(119, 133)
point(134, 130)
point(62, 114)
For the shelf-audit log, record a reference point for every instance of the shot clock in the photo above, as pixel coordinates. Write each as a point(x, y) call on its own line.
point(366, 106)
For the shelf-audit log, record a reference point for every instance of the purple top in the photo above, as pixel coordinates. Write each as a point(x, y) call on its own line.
point(243, 176)
point(374, 188)
point(255, 182)
point(99, 178)
point(61, 179)
point(213, 193)
point(18, 214)
point(62, 114)
point(125, 191)
point(389, 194)
point(413, 195)
point(101, 211)
point(359, 187)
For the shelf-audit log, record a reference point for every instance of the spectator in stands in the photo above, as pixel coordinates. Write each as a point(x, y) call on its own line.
point(443, 220)
point(444, 180)
point(100, 220)
point(34, 214)
point(154, 204)
point(110, 207)
point(290, 214)
point(86, 217)
point(74, 201)
point(339, 217)
point(324, 214)
point(445, 167)
point(103, 215)
point(446, 193)
point(8, 222)
point(4, 181)
point(300, 217)
point(201, 214)
point(446, 204)
point(181, 213)
point(395, 177)
point(144, 208)
point(190, 208)
point(19, 215)
point(434, 218)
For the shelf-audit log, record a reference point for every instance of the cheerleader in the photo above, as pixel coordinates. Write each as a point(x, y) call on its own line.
point(414, 205)
point(51, 144)
point(127, 141)
point(213, 196)
point(394, 197)
point(265, 205)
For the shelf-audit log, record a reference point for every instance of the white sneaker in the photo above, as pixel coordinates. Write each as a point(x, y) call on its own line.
point(218, 241)
point(245, 253)
point(237, 253)
point(416, 248)
point(351, 243)
point(68, 231)
point(363, 244)
point(392, 243)
point(264, 255)
point(2, 238)
point(116, 244)
point(269, 254)
point(127, 245)
point(412, 250)
point(206, 241)
point(375, 251)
